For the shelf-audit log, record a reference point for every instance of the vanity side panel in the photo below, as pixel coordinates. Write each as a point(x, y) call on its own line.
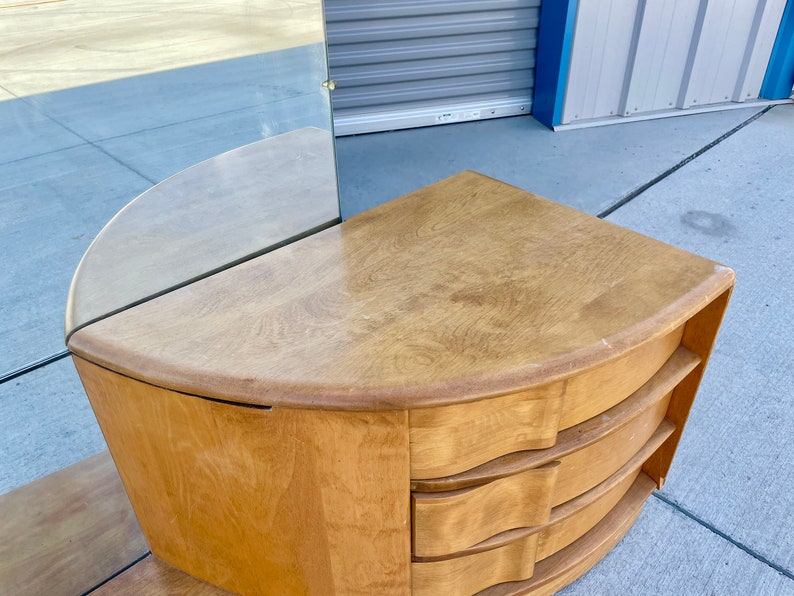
point(259, 500)
point(700, 334)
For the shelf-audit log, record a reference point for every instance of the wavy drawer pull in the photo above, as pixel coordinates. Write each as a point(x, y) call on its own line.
point(448, 522)
point(680, 364)
point(464, 576)
point(448, 440)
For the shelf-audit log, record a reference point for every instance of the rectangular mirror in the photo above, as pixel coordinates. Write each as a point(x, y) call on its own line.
point(214, 114)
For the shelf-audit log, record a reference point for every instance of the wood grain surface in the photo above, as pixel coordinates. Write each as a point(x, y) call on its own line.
point(557, 571)
point(262, 501)
point(205, 217)
point(446, 440)
point(595, 391)
point(699, 336)
point(449, 439)
point(680, 364)
point(444, 523)
point(583, 469)
point(463, 576)
point(572, 519)
point(466, 289)
point(67, 532)
point(576, 517)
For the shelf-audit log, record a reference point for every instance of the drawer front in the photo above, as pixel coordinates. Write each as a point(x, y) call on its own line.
point(572, 519)
point(582, 470)
point(597, 390)
point(560, 569)
point(463, 576)
point(447, 440)
point(560, 534)
point(444, 523)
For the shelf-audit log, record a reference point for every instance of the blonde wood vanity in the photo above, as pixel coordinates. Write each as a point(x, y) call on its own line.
point(470, 389)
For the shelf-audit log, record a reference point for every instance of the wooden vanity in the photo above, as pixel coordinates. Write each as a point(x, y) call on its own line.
point(466, 390)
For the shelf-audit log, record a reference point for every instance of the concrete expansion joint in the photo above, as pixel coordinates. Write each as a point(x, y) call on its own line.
point(713, 529)
point(30, 367)
point(89, 142)
point(643, 187)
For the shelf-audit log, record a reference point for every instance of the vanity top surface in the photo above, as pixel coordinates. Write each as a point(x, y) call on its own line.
point(465, 289)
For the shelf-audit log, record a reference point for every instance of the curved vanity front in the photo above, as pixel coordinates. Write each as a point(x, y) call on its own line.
point(466, 389)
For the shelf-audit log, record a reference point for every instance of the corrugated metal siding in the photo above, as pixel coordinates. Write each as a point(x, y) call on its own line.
point(632, 57)
point(400, 64)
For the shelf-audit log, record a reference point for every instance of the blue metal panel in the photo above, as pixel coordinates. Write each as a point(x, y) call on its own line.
point(555, 37)
point(779, 78)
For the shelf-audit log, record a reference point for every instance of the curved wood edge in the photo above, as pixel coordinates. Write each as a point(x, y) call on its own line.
point(566, 566)
point(562, 513)
point(557, 536)
point(680, 364)
point(591, 393)
point(450, 439)
point(587, 468)
point(220, 489)
point(444, 523)
point(453, 438)
point(108, 345)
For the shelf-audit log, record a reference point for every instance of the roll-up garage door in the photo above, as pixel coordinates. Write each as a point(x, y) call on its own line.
point(407, 63)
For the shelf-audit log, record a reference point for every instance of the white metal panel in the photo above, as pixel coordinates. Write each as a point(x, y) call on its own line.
point(720, 47)
point(759, 49)
point(664, 34)
point(599, 57)
point(630, 58)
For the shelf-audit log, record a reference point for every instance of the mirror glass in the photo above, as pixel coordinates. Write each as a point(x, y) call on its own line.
point(213, 114)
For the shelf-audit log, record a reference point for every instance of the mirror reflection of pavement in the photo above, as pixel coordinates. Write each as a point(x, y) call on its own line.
point(98, 102)
point(59, 44)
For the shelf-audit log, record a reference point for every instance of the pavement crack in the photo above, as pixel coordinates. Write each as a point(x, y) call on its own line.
point(642, 188)
point(750, 551)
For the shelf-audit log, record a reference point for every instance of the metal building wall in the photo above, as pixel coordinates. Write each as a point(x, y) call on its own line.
point(407, 63)
point(640, 57)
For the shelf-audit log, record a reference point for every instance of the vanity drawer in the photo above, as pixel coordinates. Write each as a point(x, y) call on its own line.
point(558, 492)
point(448, 522)
point(447, 440)
point(651, 397)
point(444, 523)
point(583, 469)
point(466, 575)
point(567, 523)
point(571, 520)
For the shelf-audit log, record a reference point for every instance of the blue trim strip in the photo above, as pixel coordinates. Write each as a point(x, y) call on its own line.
point(779, 78)
point(555, 37)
